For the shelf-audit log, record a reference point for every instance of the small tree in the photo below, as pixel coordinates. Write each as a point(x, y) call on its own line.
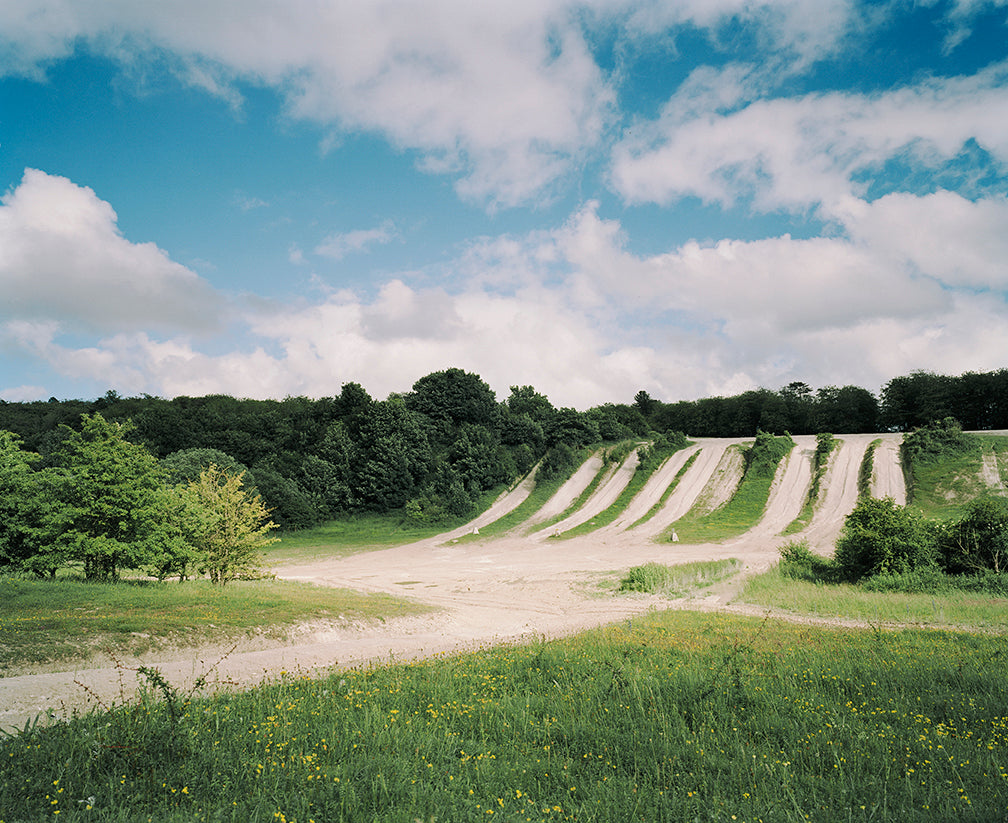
point(231, 526)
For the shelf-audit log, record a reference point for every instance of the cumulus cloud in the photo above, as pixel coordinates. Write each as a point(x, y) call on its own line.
point(575, 313)
point(504, 96)
point(63, 259)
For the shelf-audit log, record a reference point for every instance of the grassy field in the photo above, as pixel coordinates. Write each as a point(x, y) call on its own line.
point(774, 591)
point(682, 716)
point(42, 621)
point(943, 488)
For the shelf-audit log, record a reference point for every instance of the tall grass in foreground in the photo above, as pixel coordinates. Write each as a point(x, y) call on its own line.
point(685, 717)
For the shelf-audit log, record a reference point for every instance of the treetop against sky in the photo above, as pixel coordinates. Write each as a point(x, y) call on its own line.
point(589, 197)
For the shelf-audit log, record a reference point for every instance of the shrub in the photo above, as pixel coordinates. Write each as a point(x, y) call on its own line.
point(766, 452)
point(799, 562)
point(649, 578)
point(560, 460)
point(944, 437)
point(979, 541)
point(879, 536)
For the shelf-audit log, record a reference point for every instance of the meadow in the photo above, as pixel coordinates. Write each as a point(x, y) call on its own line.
point(47, 621)
point(677, 716)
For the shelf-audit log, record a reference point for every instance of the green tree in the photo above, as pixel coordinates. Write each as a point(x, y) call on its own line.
point(112, 517)
point(456, 396)
point(231, 526)
point(30, 512)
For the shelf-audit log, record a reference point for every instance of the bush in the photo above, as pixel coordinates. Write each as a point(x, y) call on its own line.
point(879, 536)
point(979, 541)
point(799, 562)
point(766, 452)
point(935, 440)
point(559, 461)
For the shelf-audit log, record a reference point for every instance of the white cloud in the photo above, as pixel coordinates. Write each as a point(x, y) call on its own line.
point(806, 152)
point(576, 314)
point(63, 259)
point(338, 246)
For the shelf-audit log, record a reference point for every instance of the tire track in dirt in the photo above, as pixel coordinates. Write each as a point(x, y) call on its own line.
point(691, 484)
point(839, 493)
point(788, 492)
point(506, 503)
point(653, 490)
point(887, 470)
point(601, 499)
point(568, 492)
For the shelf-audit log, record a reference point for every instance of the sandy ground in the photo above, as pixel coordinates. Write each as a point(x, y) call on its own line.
point(505, 589)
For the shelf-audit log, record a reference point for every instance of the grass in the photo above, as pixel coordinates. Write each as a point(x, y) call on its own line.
point(348, 535)
point(867, 467)
point(686, 716)
point(42, 621)
point(741, 512)
point(672, 581)
point(944, 486)
point(773, 590)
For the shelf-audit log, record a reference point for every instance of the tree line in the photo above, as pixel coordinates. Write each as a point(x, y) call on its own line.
point(433, 451)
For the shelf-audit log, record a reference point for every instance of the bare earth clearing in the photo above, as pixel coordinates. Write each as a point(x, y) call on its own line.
point(504, 589)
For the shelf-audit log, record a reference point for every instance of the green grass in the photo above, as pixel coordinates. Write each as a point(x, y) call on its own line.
point(672, 581)
point(740, 513)
point(366, 531)
point(348, 535)
point(619, 505)
point(42, 621)
point(773, 590)
point(944, 486)
point(687, 717)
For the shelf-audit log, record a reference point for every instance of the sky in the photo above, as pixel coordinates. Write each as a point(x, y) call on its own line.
point(271, 198)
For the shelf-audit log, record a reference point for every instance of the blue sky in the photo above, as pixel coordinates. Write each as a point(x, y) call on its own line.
point(693, 198)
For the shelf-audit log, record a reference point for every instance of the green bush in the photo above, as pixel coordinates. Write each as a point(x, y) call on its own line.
point(930, 442)
point(880, 536)
point(979, 541)
point(766, 452)
point(799, 562)
point(559, 461)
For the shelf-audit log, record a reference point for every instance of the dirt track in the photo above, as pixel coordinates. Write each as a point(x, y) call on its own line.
point(501, 589)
